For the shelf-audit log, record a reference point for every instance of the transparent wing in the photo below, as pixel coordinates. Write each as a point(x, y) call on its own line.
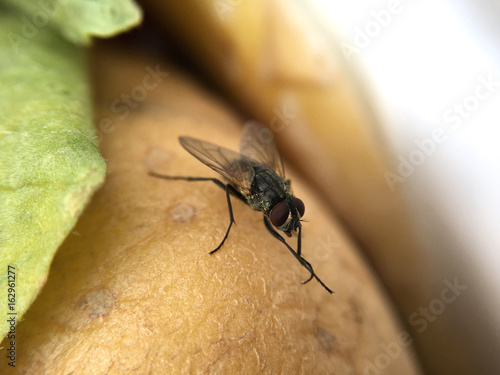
point(235, 168)
point(257, 143)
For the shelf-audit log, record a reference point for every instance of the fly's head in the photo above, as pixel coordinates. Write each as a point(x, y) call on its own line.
point(286, 215)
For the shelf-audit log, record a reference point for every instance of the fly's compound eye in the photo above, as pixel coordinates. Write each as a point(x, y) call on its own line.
point(279, 214)
point(300, 206)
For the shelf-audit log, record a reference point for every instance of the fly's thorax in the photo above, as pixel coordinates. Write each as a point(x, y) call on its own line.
point(267, 190)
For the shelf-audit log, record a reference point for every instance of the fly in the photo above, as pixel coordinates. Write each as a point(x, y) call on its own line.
point(256, 176)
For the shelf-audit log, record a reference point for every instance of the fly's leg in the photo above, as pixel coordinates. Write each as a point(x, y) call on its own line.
point(231, 190)
point(231, 217)
point(228, 188)
point(216, 181)
point(276, 235)
point(299, 244)
point(301, 260)
point(299, 249)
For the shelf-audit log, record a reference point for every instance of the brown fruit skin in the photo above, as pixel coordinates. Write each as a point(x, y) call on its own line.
point(133, 289)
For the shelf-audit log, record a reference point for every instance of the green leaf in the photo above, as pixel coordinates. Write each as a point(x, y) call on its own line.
point(49, 161)
point(78, 20)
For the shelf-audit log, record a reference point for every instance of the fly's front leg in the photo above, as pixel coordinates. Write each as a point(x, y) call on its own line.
point(299, 249)
point(301, 260)
point(276, 235)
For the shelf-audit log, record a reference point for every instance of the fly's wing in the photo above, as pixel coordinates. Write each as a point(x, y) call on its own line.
point(234, 167)
point(257, 143)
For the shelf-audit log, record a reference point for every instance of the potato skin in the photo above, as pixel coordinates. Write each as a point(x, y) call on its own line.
point(133, 289)
point(275, 62)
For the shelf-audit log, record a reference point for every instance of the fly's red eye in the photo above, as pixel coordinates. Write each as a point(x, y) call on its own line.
point(279, 214)
point(300, 206)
